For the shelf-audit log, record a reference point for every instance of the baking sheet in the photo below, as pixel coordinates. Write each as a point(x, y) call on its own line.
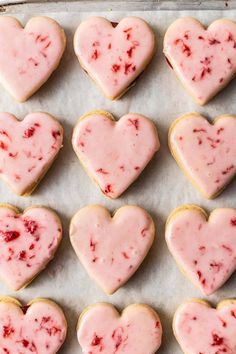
point(162, 186)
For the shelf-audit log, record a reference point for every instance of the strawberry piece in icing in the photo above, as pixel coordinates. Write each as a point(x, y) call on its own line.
point(27, 149)
point(201, 329)
point(206, 152)
point(29, 56)
point(204, 249)
point(114, 153)
point(28, 242)
point(114, 55)
point(204, 60)
point(111, 248)
point(40, 330)
point(137, 331)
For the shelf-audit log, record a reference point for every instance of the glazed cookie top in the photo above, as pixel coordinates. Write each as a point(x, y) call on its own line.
point(204, 60)
point(27, 242)
point(28, 55)
point(102, 330)
point(202, 329)
point(40, 329)
point(114, 153)
point(111, 248)
point(114, 54)
point(204, 249)
point(27, 147)
point(207, 152)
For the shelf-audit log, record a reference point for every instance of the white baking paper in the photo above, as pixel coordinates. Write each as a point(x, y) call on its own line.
point(158, 94)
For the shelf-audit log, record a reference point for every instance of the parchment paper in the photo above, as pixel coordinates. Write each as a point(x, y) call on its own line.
point(158, 94)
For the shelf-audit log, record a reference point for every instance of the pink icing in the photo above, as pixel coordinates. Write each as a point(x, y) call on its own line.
point(137, 331)
point(202, 329)
point(27, 148)
point(115, 153)
point(204, 60)
point(41, 330)
point(111, 249)
point(27, 242)
point(206, 152)
point(114, 55)
point(28, 56)
point(205, 250)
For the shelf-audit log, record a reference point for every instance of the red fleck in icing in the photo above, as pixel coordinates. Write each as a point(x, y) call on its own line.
point(233, 222)
point(206, 152)
point(22, 331)
point(205, 248)
point(30, 226)
point(93, 245)
point(110, 63)
point(115, 245)
point(122, 155)
point(101, 330)
point(95, 54)
point(134, 122)
point(9, 236)
point(7, 331)
point(199, 58)
point(211, 333)
point(115, 68)
point(24, 241)
point(31, 148)
point(101, 170)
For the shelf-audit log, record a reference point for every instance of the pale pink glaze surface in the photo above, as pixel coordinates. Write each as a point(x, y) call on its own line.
point(206, 152)
point(27, 148)
point(102, 330)
point(42, 330)
point(114, 54)
point(27, 242)
point(205, 250)
point(115, 153)
point(28, 55)
point(204, 60)
point(202, 329)
point(111, 248)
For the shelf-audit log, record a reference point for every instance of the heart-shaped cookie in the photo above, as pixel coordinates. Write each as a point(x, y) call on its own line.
point(200, 329)
point(206, 152)
point(114, 54)
point(203, 59)
point(111, 248)
point(204, 248)
point(114, 153)
point(101, 329)
point(27, 149)
point(40, 327)
point(29, 55)
point(28, 242)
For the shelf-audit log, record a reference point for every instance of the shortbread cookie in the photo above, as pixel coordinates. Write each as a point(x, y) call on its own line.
point(111, 248)
point(40, 327)
point(27, 149)
point(101, 329)
point(199, 328)
point(203, 59)
point(114, 153)
point(204, 247)
point(114, 54)
point(29, 55)
point(206, 152)
point(28, 242)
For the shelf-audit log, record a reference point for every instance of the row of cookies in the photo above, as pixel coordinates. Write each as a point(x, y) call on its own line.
point(115, 153)
point(41, 327)
point(112, 247)
point(114, 54)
